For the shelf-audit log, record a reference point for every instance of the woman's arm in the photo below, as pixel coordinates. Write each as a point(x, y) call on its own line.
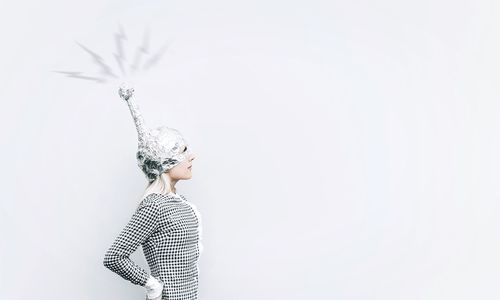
point(142, 224)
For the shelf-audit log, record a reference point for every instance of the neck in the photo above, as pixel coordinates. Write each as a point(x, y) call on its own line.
point(172, 187)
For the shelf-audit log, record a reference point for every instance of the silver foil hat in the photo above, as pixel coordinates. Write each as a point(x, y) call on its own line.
point(159, 149)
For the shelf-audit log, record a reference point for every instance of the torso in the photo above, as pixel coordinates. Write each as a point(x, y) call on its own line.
point(172, 251)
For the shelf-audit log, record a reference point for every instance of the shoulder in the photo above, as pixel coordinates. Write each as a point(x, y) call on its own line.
point(150, 201)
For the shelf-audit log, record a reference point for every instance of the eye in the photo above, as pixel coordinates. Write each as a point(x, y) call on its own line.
point(185, 149)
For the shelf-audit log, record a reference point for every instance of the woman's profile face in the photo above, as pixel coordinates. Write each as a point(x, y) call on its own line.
point(183, 169)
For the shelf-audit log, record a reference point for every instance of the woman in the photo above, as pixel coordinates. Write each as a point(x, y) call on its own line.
point(165, 224)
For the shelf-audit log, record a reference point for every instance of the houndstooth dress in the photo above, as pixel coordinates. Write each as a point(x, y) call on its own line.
point(168, 228)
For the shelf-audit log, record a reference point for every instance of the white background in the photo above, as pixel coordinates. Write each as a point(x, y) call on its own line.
point(345, 149)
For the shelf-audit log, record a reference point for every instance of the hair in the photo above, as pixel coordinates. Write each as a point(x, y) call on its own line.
point(161, 185)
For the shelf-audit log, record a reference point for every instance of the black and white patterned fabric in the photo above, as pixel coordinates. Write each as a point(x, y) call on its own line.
point(167, 227)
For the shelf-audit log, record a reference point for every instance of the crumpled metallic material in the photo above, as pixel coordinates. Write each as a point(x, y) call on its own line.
point(159, 149)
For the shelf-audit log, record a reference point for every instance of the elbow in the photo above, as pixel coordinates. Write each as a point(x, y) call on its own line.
point(110, 260)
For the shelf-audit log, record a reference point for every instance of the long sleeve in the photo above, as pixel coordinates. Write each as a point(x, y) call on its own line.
point(142, 224)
